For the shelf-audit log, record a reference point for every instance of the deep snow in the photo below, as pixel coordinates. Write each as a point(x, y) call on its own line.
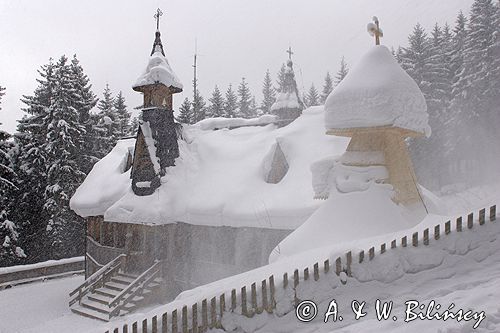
point(219, 178)
point(377, 92)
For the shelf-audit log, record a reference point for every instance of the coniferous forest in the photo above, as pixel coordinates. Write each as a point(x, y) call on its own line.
point(67, 128)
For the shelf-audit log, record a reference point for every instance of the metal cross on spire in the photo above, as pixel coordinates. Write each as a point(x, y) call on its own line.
point(375, 30)
point(157, 17)
point(289, 51)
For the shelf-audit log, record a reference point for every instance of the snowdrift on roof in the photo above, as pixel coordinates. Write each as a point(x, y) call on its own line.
point(219, 179)
point(158, 71)
point(377, 92)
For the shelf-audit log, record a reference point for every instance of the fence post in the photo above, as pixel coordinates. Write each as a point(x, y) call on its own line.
point(349, 263)
point(233, 300)
point(338, 266)
point(426, 236)
point(194, 317)
point(295, 278)
point(326, 266)
point(393, 244)
point(361, 256)
point(470, 220)
point(482, 216)
point(116, 330)
point(437, 232)
point(134, 327)
point(244, 301)
point(285, 280)
point(447, 227)
point(145, 326)
point(213, 312)
point(125, 328)
point(154, 325)
point(493, 213)
point(404, 241)
point(204, 315)
point(253, 297)
point(265, 303)
point(164, 323)
point(174, 322)
point(272, 292)
point(415, 239)
point(306, 273)
point(459, 224)
point(184, 319)
point(316, 272)
point(222, 304)
point(371, 253)
point(382, 248)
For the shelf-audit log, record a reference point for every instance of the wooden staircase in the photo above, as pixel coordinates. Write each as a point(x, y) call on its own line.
point(110, 292)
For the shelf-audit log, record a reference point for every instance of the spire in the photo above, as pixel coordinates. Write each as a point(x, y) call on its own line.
point(157, 43)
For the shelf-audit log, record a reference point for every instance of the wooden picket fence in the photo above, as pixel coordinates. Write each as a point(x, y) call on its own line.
point(262, 296)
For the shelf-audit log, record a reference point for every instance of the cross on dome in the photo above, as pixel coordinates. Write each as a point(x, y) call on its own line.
point(157, 18)
point(375, 30)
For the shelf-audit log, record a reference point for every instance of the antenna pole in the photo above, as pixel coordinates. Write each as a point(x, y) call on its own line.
point(195, 81)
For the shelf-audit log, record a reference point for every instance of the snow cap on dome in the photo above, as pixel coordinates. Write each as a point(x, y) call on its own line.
point(377, 92)
point(159, 71)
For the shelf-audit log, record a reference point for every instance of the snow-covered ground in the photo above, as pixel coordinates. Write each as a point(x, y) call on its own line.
point(464, 270)
point(41, 307)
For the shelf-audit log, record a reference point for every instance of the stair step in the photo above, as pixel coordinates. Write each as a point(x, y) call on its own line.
point(106, 299)
point(122, 279)
point(96, 306)
point(78, 309)
point(107, 292)
point(128, 275)
point(116, 286)
point(100, 298)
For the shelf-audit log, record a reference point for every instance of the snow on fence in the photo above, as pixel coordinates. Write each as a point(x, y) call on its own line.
point(262, 296)
point(10, 276)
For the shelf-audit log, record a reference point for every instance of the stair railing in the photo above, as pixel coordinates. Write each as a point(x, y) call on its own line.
point(98, 278)
point(133, 289)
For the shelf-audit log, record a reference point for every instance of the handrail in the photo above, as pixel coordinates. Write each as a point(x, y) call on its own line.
point(135, 283)
point(92, 280)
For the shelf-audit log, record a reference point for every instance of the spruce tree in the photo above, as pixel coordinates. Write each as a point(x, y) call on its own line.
point(281, 78)
point(231, 105)
point(312, 97)
point(198, 106)
point(342, 73)
point(84, 100)
point(122, 114)
point(134, 125)
point(216, 108)
point(10, 253)
point(244, 100)
point(268, 94)
point(327, 88)
point(62, 146)
point(185, 116)
point(31, 162)
point(106, 126)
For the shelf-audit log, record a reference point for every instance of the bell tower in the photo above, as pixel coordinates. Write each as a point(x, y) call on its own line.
point(156, 146)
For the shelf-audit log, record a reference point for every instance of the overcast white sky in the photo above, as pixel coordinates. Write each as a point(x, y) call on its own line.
point(236, 38)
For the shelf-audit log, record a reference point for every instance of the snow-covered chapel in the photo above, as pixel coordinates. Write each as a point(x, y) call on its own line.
point(188, 201)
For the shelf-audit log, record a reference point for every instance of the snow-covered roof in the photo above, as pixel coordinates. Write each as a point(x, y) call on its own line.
point(158, 71)
point(286, 100)
point(106, 183)
point(222, 122)
point(377, 92)
point(219, 178)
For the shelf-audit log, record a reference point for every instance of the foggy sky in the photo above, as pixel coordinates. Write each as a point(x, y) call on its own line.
point(235, 38)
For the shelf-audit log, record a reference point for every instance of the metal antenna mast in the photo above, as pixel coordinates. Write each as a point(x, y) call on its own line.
point(195, 80)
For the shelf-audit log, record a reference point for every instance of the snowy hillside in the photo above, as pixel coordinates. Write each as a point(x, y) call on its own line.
point(219, 178)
